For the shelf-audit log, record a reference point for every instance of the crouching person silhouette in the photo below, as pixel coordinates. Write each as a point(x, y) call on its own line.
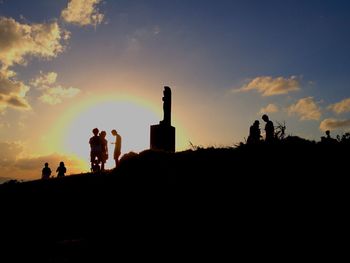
point(46, 172)
point(254, 133)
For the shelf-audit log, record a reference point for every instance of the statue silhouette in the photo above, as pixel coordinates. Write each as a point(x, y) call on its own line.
point(166, 106)
point(162, 136)
point(117, 147)
point(269, 129)
point(46, 172)
point(61, 170)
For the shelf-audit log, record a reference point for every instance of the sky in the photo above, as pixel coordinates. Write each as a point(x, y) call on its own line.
point(68, 66)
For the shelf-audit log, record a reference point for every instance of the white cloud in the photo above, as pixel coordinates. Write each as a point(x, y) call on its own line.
point(271, 108)
point(340, 107)
point(52, 93)
point(82, 12)
point(17, 41)
point(56, 94)
point(306, 109)
point(269, 86)
point(43, 81)
point(333, 124)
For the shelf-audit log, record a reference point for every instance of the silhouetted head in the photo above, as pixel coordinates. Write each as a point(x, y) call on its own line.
point(46, 164)
point(328, 132)
point(114, 132)
point(256, 123)
point(61, 163)
point(103, 134)
point(265, 118)
point(95, 131)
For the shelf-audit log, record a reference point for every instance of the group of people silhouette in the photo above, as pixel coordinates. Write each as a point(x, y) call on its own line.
point(255, 133)
point(46, 171)
point(270, 134)
point(98, 154)
point(99, 149)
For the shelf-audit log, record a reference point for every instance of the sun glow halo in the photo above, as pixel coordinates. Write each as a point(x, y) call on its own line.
point(131, 120)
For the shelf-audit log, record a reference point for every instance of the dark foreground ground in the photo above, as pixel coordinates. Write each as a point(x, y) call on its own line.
point(282, 202)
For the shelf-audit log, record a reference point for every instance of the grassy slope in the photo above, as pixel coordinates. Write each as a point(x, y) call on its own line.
point(199, 196)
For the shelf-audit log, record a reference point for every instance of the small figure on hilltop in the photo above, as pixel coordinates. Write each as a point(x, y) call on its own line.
point(269, 129)
point(46, 172)
point(96, 149)
point(104, 149)
point(117, 147)
point(254, 133)
point(61, 170)
point(328, 139)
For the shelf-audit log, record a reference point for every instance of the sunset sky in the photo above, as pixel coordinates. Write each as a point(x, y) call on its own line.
point(67, 66)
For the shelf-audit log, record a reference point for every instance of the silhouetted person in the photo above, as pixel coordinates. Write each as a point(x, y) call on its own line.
point(269, 129)
point(254, 133)
point(328, 139)
point(96, 148)
point(104, 149)
point(61, 170)
point(46, 172)
point(166, 106)
point(117, 147)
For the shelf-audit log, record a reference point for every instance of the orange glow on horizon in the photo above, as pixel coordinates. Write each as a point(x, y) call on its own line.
point(130, 116)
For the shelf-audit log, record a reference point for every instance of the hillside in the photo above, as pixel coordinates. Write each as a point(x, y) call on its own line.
point(200, 197)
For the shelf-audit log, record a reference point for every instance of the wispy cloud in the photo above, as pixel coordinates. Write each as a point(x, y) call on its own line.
point(82, 12)
point(271, 108)
point(340, 107)
point(52, 92)
point(43, 81)
point(333, 124)
point(57, 94)
point(269, 86)
point(12, 91)
point(306, 109)
point(136, 40)
point(9, 152)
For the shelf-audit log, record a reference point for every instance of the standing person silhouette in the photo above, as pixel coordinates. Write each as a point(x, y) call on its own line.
point(61, 170)
point(269, 129)
point(46, 172)
point(104, 149)
point(96, 149)
point(117, 147)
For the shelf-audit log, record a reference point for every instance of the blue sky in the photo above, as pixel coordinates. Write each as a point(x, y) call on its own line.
point(227, 62)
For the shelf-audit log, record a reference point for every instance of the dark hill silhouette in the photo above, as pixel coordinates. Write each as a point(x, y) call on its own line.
point(194, 204)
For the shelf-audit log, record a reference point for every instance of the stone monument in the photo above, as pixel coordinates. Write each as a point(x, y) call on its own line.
point(163, 134)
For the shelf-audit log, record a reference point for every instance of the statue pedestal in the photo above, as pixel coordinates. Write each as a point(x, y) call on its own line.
point(163, 137)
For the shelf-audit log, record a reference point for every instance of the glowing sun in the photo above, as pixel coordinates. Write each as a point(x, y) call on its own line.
point(131, 120)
